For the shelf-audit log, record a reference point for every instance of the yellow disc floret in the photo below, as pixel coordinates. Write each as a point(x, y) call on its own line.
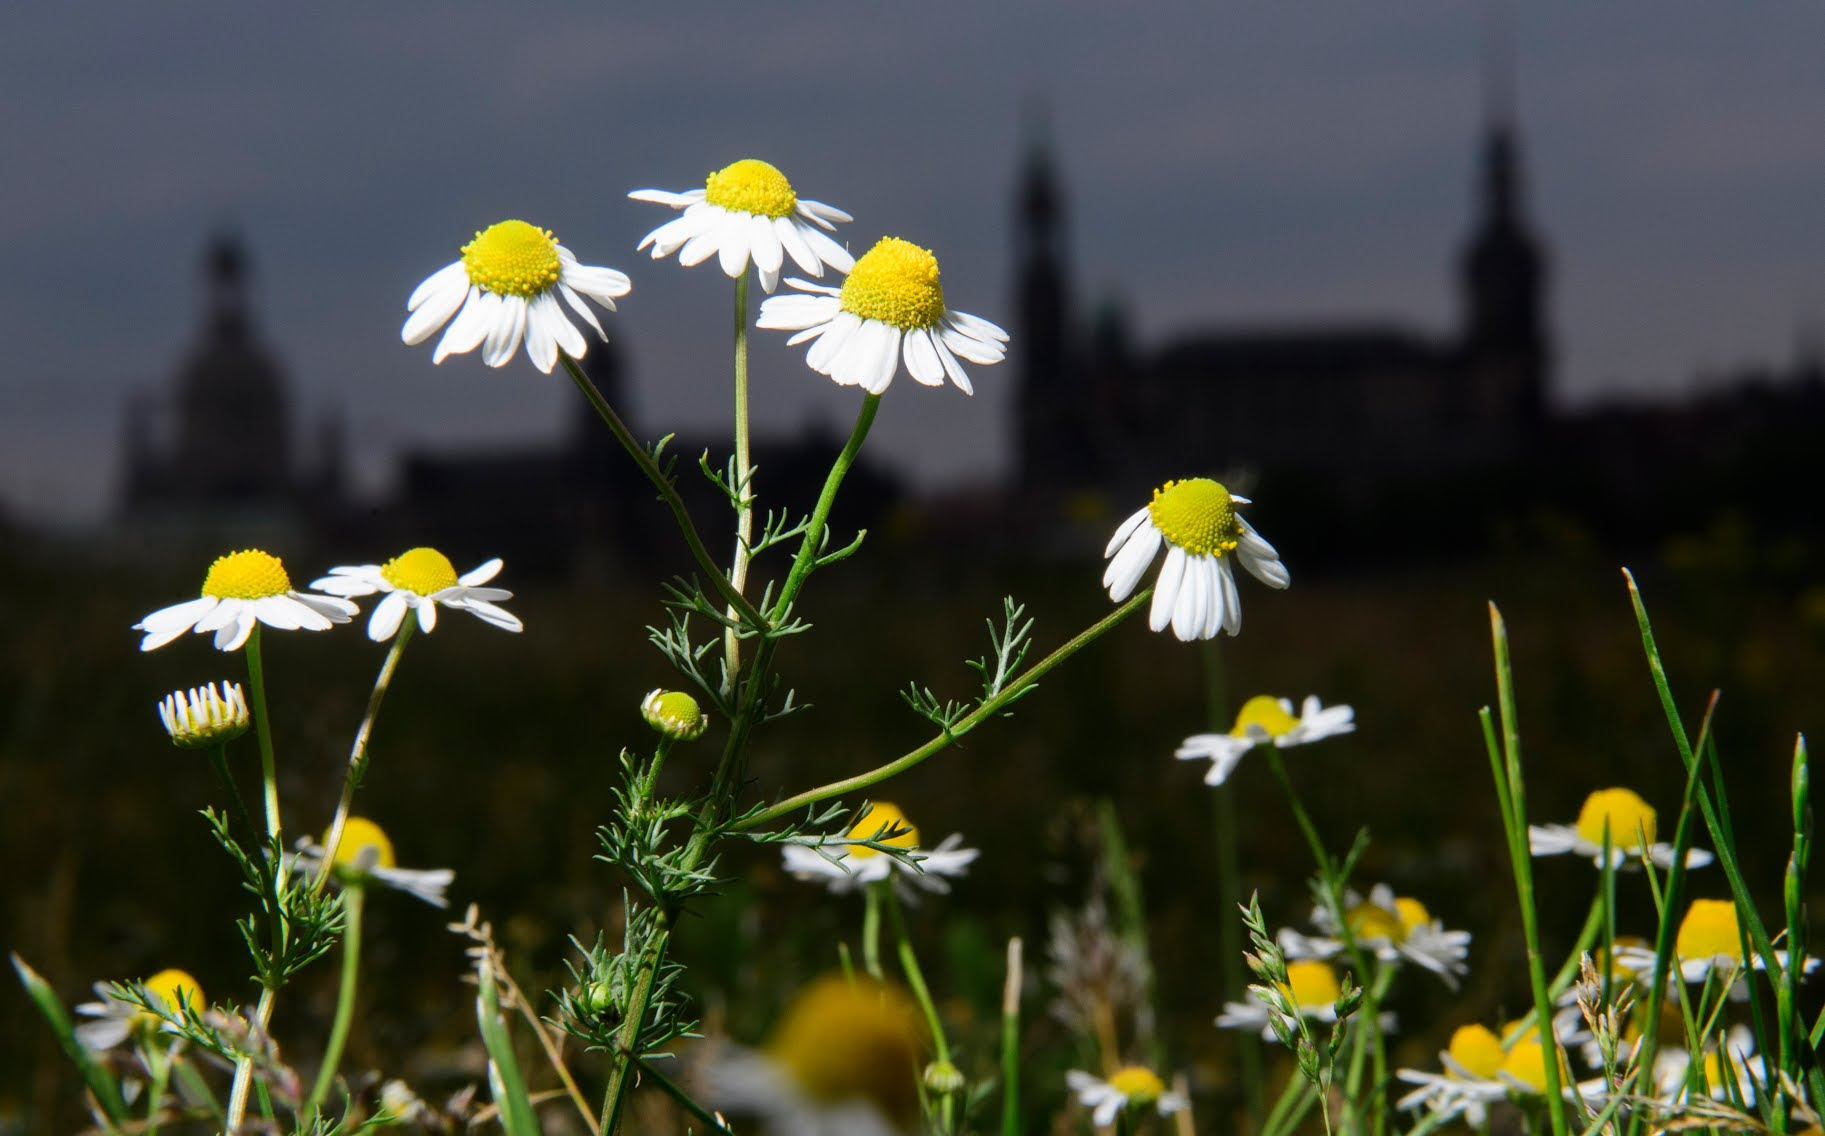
point(1526, 1063)
point(895, 282)
point(1265, 711)
point(1413, 913)
point(843, 1039)
point(880, 817)
point(1630, 818)
point(173, 989)
point(246, 575)
point(751, 186)
point(364, 846)
point(1312, 983)
point(512, 259)
point(1478, 1050)
point(1141, 1085)
point(1709, 930)
point(1197, 515)
point(422, 571)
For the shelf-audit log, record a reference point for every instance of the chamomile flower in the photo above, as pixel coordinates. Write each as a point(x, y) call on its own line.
point(849, 866)
point(201, 717)
point(1265, 719)
point(1395, 928)
point(1132, 1087)
point(505, 291)
point(674, 714)
point(1632, 825)
point(1709, 942)
point(748, 210)
point(843, 1060)
point(421, 580)
point(243, 589)
point(366, 853)
point(1312, 987)
point(1469, 1083)
point(1196, 589)
point(890, 307)
point(116, 1018)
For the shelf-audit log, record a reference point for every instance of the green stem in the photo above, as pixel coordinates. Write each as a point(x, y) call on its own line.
point(683, 1099)
point(915, 978)
point(354, 895)
point(628, 1056)
point(256, 685)
point(1507, 768)
point(159, 1058)
point(645, 789)
point(989, 709)
point(1010, 1043)
point(744, 496)
point(871, 928)
point(243, 1068)
point(667, 493)
point(358, 752)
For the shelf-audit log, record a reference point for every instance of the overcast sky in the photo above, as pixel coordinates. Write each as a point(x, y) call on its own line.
point(1225, 164)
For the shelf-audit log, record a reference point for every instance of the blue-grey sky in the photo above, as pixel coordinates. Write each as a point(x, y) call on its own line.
point(1225, 164)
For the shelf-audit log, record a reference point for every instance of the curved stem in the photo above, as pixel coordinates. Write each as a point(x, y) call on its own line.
point(915, 978)
point(744, 471)
point(256, 684)
point(358, 752)
point(353, 899)
point(243, 1069)
point(968, 722)
point(667, 492)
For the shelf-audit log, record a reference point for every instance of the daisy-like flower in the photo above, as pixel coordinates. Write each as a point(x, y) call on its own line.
point(1739, 1081)
point(674, 714)
point(421, 580)
point(1262, 720)
point(201, 717)
point(1632, 825)
point(890, 307)
point(1395, 928)
point(1132, 1087)
point(748, 210)
point(366, 853)
point(1709, 942)
point(116, 1019)
point(851, 865)
point(505, 290)
point(1196, 590)
point(1481, 1068)
point(843, 1060)
point(1312, 986)
point(242, 589)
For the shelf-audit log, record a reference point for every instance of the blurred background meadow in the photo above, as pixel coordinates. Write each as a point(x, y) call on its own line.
point(1476, 305)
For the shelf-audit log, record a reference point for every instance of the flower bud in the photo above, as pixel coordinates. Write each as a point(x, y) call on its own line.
point(674, 714)
point(201, 717)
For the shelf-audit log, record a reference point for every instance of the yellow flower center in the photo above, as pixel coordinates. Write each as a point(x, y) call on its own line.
point(751, 186)
point(1477, 1049)
point(895, 282)
point(1196, 515)
point(1138, 1083)
point(1526, 1063)
point(1628, 816)
point(841, 1039)
point(1708, 930)
point(358, 836)
point(880, 816)
point(512, 259)
point(176, 989)
point(1311, 983)
point(1370, 920)
point(424, 571)
point(1265, 711)
point(246, 575)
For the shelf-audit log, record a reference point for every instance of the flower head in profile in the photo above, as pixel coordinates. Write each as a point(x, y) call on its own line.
point(890, 307)
point(1311, 987)
point(1196, 591)
point(1479, 1069)
point(844, 1059)
point(1631, 823)
point(1132, 1088)
point(505, 290)
point(117, 1018)
point(1265, 720)
point(748, 210)
point(421, 580)
point(202, 717)
point(1709, 942)
point(243, 589)
point(1394, 927)
point(851, 863)
point(365, 853)
point(674, 714)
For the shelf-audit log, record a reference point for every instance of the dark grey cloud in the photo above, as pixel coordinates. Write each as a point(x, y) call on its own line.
point(1225, 164)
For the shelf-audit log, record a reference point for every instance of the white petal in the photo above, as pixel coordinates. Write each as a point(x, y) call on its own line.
point(1166, 589)
point(1259, 557)
point(698, 249)
point(277, 611)
point(827, 250)
point(225, 612)
point(795, 312)
point(233, 635)
point(603, 285)
point(435, 301)
point(841, 329)
point(333, 608)
point(1134, 521)
point(1232, 601)
point(508, 330)
point(985, 352)
point(732, 244)
point(669, 237)
point(884, 356)
point(427, 613)
point(541, 337)
point(821, 213)
point(664, 197)
point(387, 616)
point(578, 305)
point(976, 326)
point(951, 367)
point(481, 573)
point(470, 326)
point(488, 613)
point(1194, 598)
point(1130, 563)
point(922, 361)
point(787, 229)
point(763, 243)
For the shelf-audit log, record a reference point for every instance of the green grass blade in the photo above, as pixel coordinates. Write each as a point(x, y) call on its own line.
point(504, 1079)
point(106, 1092)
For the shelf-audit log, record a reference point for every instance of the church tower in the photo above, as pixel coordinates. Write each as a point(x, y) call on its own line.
point(1504, 336)
point(1053, 444)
